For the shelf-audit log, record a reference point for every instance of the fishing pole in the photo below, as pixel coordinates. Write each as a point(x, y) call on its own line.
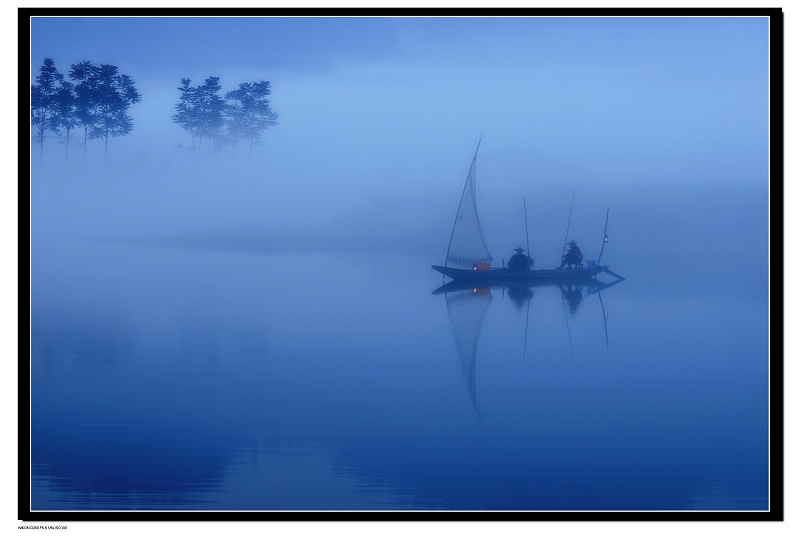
point(527, 240)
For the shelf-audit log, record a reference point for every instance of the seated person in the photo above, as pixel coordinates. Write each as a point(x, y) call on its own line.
point(518, 261)
point(572, 257)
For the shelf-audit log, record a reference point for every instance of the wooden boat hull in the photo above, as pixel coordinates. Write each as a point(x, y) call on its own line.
point(504, 275)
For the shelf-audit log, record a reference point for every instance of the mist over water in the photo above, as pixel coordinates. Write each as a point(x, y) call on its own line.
point(655, 233)
point(262, 332)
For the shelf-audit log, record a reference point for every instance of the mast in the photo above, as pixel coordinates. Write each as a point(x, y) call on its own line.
point(564, 247)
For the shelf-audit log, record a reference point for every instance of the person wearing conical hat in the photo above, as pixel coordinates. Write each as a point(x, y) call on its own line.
point(573, 257)
point(519, 261)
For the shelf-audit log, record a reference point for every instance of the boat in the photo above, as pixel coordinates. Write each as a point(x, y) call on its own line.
point(469, 253)
point(509, 284)
point(497, 276)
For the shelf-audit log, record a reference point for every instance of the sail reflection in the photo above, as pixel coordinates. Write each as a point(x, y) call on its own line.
point(467, 309)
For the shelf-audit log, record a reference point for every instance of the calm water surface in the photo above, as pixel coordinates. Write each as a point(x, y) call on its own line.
point(183, 379)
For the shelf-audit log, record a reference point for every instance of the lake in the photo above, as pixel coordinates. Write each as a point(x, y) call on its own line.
point(181, 378)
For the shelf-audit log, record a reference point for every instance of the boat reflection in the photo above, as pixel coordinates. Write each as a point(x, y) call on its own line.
point(524, 290)
point(467, 307)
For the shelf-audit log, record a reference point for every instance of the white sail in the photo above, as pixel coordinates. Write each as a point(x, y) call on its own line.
point(467, 244)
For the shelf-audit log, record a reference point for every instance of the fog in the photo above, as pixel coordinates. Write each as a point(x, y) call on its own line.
point(662, 121)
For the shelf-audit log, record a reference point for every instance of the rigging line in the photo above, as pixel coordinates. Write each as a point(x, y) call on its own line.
point(605, 239)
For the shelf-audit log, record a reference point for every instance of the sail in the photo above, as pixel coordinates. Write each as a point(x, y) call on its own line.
point(467, 245)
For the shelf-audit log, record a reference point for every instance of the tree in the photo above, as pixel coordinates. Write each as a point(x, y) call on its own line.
point(199, 111)
point(66, 109)
point(186, 110)
point(210, 106)
point(43, 94)
point(248, 112)
point(114, 95)
point(85, 74)
point(103, 99)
